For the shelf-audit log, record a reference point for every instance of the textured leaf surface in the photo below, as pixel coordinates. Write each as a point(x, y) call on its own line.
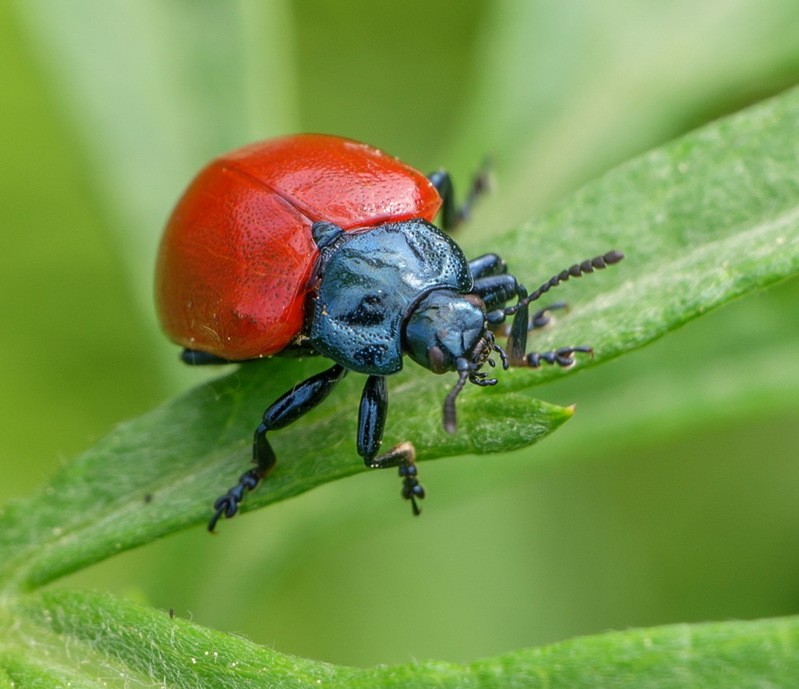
point(161, 472)
point(105, 642)
point(703, 220)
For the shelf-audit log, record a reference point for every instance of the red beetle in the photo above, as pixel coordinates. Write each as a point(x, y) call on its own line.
point(236, 259)
point(325, 245)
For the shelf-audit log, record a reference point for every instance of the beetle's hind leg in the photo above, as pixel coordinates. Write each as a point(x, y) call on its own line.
point(285, 410)
point(371, 422)
point(453, 215)
point(195, 357)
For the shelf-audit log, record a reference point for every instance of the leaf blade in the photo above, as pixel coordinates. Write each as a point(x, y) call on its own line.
point(160, 472)
point(139, 644)
point(703, 220)
point(689, 256)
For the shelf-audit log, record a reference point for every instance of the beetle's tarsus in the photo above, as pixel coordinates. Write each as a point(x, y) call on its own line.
point(542, 317)
point(228, 505)
point(564, 356)
point(411, 488)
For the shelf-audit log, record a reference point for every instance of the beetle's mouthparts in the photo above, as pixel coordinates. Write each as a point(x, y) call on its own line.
point(470, 371)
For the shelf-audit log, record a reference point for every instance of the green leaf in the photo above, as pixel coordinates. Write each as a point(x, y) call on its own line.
point(160, 472)
point(703, 220)
point(158, 108)
point(155, 90)
point(87, 639)
point(604, 91)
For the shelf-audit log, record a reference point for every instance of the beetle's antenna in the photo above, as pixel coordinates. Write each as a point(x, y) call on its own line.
point(450, 418)
point(575, 271)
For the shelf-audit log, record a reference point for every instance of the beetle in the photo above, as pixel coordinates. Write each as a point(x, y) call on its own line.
point(316, 244)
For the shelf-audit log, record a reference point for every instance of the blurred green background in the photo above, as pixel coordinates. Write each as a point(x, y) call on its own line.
point(671, 496)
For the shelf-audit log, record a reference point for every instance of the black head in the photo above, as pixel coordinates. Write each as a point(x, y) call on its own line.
point(450, 331)
point(447, 331)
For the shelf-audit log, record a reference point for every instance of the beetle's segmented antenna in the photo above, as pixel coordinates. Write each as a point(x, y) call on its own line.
point(450, 417)
point(575, 271)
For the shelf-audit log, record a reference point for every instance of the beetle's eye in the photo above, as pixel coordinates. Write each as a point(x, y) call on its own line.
point(436, 359)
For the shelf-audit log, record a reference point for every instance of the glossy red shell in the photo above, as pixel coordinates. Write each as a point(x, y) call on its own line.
point(237, 254)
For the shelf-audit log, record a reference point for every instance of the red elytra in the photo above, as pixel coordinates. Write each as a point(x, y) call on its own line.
point(237, 254)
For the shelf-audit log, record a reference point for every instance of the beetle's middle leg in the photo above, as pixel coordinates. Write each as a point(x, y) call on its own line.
point(371, 422)
point(285, 410)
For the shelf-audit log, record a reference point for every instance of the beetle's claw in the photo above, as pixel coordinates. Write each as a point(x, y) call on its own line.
point(221, 507)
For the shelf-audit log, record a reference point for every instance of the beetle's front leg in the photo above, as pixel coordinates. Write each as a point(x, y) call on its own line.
point(496, 290)
point(285, 410)
point(517, 340)
point(563, 356)
point(371, 422)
